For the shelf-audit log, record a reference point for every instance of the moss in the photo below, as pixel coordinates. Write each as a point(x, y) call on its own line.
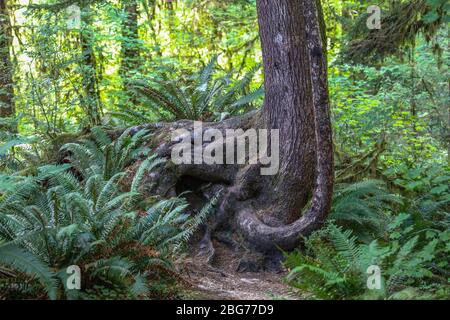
point(399, 28)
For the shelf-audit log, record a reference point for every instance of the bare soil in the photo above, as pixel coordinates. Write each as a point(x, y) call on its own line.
point(220, 279)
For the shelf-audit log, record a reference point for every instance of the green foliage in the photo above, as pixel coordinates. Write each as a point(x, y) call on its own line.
point(24, 261)
point(102, 156)
point(54, 220)
point(426, 185)
point(14, 147)
point(402, 22)
point(335, 264)
point(200, 96)
point(196, 60)
point(410, 247)
point(363, 205)
point(400, 105)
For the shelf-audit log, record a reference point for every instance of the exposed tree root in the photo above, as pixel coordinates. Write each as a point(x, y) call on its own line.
point(264, 213)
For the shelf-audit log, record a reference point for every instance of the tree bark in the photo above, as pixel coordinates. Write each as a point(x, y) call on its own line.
point(91, 101)
point(288, 105)
point(130, 48)
point(130, 34)
point(267, 210)
point(7, 108)
point(310, 51)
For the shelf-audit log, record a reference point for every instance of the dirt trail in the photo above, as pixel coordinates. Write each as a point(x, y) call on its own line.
point(220, 280)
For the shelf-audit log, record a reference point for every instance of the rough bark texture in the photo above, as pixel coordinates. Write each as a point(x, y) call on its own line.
point(288, 105)
point(265, 212)
point(288, 236)
point(6, 81)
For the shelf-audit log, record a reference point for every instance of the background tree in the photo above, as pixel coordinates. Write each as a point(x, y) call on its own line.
point(90, 82)
point(6, 67)
point(130, 63)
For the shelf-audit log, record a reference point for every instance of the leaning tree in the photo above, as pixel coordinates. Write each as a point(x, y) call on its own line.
point(269, 211)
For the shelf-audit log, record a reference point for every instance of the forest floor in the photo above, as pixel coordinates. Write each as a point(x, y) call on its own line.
point(220, 280)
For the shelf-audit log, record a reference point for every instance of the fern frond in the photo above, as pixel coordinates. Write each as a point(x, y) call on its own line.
point(26, 262)
point(146, 166)
point(345, 243)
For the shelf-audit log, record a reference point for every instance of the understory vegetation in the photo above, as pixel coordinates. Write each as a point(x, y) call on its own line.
point(74, 161)
point(407, 240)
point(82, 214)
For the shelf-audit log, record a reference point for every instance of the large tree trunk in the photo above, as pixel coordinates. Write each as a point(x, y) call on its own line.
point(267, 210)
point(6, 81)
point(291, 29)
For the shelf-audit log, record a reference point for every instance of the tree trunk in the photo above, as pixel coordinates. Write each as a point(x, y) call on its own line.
point(267, 210)
point(130, 34)
point(130, 48)
point(6, 82)
point(91, 101)
point(288, 105)
point(291, 34)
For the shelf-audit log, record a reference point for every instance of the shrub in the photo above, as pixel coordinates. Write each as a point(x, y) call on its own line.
point(56, 219)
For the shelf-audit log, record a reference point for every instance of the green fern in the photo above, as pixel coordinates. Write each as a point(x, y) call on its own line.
point(335, 262)
point(146, 166)
point(202, 96)
point(363, 205)
point(26, 262)
point(192, 225)
point(101, 156)
point(130, 117)
point(57, 218)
